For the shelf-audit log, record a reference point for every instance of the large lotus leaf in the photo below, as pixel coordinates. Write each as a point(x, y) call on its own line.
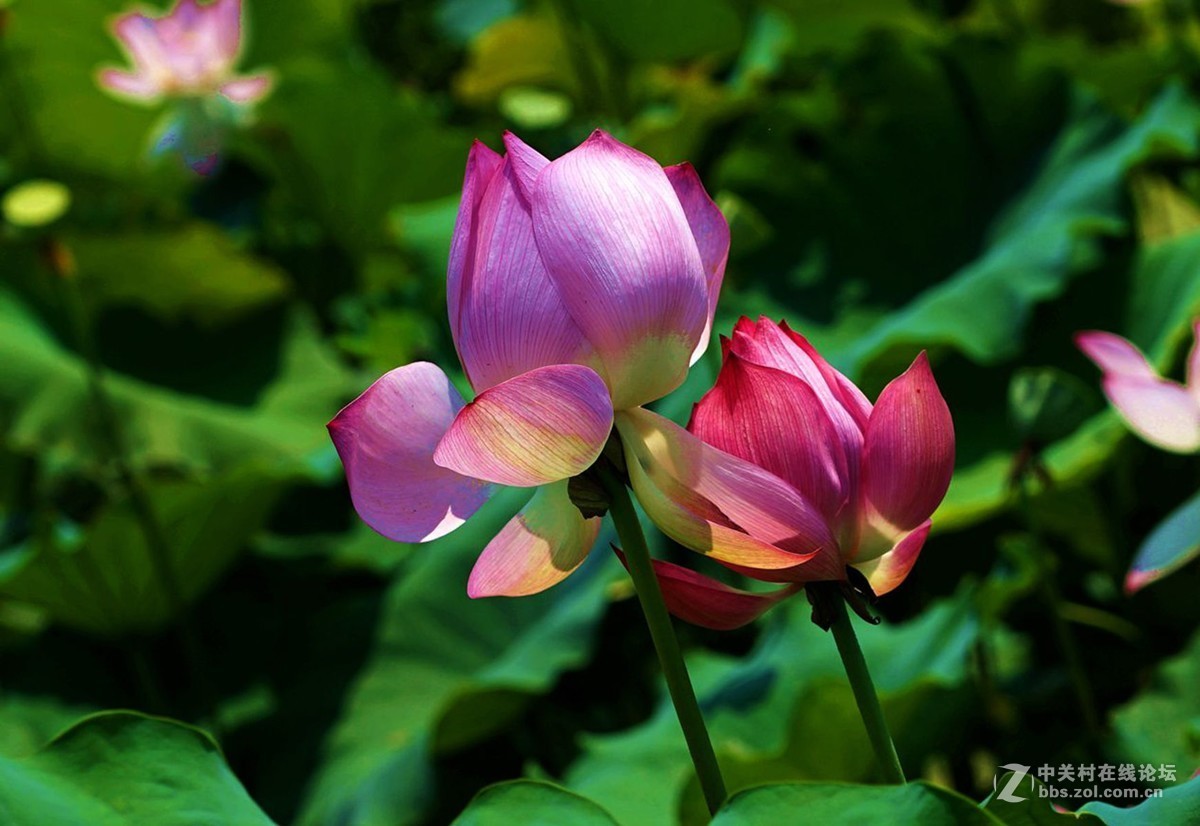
point(1036, 245)
point(1162, 723)
point(103, 578)
point(126, 769)
point(46, 404)
point(193, 272)
point(447, 671)
point(533, 804)
point(352, 146)
point(844, 803)
point(1178, 806)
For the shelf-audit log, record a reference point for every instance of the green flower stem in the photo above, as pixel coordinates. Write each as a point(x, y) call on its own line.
point(863, 687)
point(679, 684)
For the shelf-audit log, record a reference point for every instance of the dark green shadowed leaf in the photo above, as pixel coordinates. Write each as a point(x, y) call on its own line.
point(532, 803)
point(45, 403)
point(126, 769)
point(102, 580)
point(193, 272)
point(1038, 242)
point(766, 711)
point(448, 671)
point(1161, 725)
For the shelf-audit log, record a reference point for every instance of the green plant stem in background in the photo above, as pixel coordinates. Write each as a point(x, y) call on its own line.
point(1048, 589)
point(863, 687)
point(679, 684)
point(157, 542)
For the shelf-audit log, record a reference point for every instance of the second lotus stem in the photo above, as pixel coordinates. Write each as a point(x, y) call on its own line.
point(861, 684)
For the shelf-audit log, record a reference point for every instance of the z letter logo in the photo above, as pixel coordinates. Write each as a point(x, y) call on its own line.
point(1006, 794)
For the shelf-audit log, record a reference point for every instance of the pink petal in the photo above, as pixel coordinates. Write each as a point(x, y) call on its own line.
point(776, 421)
point(131, 84)
point(711, 231)
point(225, 17)
point(139, 35)
point(542, 426)
point(1114, 355)
point(616, 241)
point(538, 548)
point(908, 455)
point(707, 602)
point(527, 164)
point(510, 318)
point(774, 345)
point(1161, 412)
point(723, 506)
point(887, 571)
point(386, 438)
point(482, 165)
point(247, 89)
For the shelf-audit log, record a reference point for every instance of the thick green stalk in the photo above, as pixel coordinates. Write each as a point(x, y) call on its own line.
point(864, 689)
point(679, 684)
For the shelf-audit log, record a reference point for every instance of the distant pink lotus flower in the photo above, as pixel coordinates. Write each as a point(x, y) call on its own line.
point(191, 51)
point(1163, 412)
point(576, 288)
point(807, 477)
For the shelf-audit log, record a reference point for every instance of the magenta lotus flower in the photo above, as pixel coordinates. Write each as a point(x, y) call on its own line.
point(191, 51)
point(817, 477)
point(576, 288)
point(1163, 412)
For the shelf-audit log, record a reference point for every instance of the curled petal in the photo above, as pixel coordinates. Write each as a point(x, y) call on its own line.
point(616, 241)
point(538, 548)
point(1114, 355)
point(386, 438)
point(723, 506)
point(908, 455)
point(542, 426)
point(711, 231)
point(776, 421)
point(887, 571)
point(131, 84)
point(707, 602)
point(508, 317)
point(1161, 412)
point(247, 89)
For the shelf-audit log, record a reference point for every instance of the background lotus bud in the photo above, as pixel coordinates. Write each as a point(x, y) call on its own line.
point(191, 51)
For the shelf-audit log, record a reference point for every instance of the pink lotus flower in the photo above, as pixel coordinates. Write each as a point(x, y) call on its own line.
point(1163, 412)
point(576, 288)
point(825, 480)
point(191, 51)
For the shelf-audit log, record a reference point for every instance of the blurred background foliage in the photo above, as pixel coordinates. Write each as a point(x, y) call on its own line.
point(978, 178)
